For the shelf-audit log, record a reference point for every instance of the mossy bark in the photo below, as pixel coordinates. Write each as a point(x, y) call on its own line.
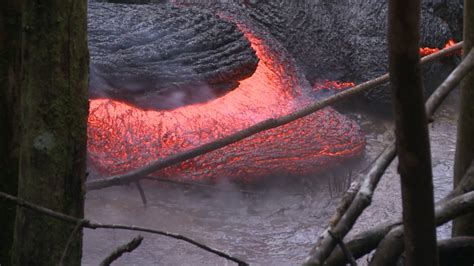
point(54, 109)
point(465, 141)
point(10, 45)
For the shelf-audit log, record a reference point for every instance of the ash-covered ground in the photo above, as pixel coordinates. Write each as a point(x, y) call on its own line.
point(271, 223)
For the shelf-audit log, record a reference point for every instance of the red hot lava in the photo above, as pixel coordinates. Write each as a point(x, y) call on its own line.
point(123, 137)
point(424, 51)
point(332, 85)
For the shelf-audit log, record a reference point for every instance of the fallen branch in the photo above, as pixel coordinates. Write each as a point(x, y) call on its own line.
point(363, 243)
point(452, 251)
point(456, 251)
point(389, 250)
point(359, 247)
point(326, 244)
point(117, 253)
point(392, 246)
point(159, 164)
point(94, 225)
point(345, 250)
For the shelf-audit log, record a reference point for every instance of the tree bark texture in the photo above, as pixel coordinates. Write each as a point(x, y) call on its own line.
point(465, 139)
point(412, 133)
point(54, 108)
point(10, 44)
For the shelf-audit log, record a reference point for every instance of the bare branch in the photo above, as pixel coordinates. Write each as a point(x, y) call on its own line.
point(347, 253)
point(117, 253)
point(389, 249)
point(367, 241)
point(465, 185)
point(451, 81)
point(456, 251)
point(346, 202)
point(139, 173)
point(363, 198)
point(142, 192)
point(392, 246)
point(93, 225)
point(452, 251)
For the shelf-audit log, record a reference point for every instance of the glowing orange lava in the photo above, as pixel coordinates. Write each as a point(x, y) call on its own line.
point(332, 85)
point(122, 137)
point(424, 51)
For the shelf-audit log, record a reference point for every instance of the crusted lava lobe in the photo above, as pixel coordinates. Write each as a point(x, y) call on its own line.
point(123, 137)
point(163, 57)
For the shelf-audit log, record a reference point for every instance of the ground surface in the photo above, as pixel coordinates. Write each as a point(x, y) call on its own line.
point(276, 224)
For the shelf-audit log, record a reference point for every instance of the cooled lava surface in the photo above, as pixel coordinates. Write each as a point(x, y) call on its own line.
point(123, 137)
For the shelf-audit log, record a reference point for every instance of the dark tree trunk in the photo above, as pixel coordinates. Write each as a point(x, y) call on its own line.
point(10, 44)
point(465, 142)
point(412, 133)
point(54, 109)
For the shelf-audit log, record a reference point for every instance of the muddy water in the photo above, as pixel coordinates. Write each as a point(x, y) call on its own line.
point(273, 223)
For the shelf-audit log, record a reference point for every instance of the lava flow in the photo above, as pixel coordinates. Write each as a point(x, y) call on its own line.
point(424, 51)
point(122, 137)
point(332, 85)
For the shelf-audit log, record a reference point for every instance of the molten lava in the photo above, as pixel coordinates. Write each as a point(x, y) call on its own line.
point(424, 51)
point(123, 137)
point(332, 85)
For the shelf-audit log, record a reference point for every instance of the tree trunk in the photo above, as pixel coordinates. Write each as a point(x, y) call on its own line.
point(412, 133)
point(10, 45)
point(54, 109)
point(465, 142)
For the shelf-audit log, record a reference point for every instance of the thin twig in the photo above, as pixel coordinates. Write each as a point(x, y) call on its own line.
point(257, 128)
point(117, 253)
point(142, 193)
point(76, 229)
point(392, 245)
point(325, 244)
point(94, 225)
